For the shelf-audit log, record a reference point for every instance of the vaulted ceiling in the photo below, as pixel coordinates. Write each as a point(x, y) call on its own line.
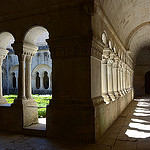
point(131, 21)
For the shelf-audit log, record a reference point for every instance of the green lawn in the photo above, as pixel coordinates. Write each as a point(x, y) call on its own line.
point(42, 101)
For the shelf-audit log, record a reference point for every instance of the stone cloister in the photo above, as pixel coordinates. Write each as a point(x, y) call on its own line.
point(100, 55)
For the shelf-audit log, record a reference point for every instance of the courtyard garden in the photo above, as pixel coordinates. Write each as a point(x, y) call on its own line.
point(42, 102)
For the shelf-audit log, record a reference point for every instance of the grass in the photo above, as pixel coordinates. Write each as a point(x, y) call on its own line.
point(42, 102)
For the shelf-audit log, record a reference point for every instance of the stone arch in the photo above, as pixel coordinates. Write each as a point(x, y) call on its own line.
point(6, 39)
point(41, 68)
point(33, 33)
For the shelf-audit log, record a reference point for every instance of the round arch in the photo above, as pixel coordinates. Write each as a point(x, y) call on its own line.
point(33, 33)
point(41, 69)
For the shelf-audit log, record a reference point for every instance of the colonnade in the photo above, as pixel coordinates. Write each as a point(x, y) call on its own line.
point(117, 76)
point(3, 54)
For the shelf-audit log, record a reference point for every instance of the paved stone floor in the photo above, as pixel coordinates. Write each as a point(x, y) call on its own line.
point(131, 131)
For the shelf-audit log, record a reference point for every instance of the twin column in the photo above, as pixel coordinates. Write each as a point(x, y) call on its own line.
point(24, 86)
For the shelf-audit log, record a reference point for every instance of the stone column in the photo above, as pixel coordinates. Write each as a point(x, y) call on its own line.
point(49, 76)
point(119, 79)
point(28, 77)
point(41, 81)
point(124, 78)
point(115, 77)
point(110, 79)
point(2, 99)
point(104, 80)
point(21, 78)
point(16, 81)
point(122, 83)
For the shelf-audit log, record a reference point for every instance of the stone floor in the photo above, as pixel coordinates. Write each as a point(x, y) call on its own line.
point(131, 131)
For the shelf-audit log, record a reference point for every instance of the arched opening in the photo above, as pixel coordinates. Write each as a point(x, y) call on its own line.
point(41, 62)
point(37, 81)
point(46, 80)
point(147, 82)
point(6, 39)
point(14, 81)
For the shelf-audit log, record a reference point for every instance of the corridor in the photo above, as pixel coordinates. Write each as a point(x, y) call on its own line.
point(131, 131)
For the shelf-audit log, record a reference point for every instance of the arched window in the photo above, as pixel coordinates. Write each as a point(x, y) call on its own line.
point(46, 80)
point(147, 83)
point(37, 81)
point(14, 81)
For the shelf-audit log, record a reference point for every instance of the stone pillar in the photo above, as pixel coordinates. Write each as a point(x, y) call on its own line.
point(3, 54)
point(104, 79)
point(49, 76)
point(110, 79)
point(41, 81)
point(16, 81)
point(82, 71)
point(119, 79)
point(124, 78)
point(24, 106)
point(28, 77)
point(21, 78)
point(115, 77)
point(122, 82)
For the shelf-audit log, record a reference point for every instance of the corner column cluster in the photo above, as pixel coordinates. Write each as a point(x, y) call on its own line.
point(117, 76)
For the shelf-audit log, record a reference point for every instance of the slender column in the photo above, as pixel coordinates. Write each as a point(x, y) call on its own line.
point(124, 78)
point(110, 79)
point(21, 78)
point(119, 79)
point(104, 80)
point(115, 77)
point(41, 81)
point(49, 81)
point(7, 75)
point(2, 99)
point(28, 77)
point(122, 83)
point(17, 82)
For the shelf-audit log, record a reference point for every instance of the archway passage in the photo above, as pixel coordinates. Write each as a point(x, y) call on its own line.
point(147, 83)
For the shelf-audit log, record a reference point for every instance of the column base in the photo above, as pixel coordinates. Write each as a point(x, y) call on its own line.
point(29, 110)
point(123, 92)
point(112, 97)
point(3, 100)
point(117, 95)
point(106, 99)
point(73, 122)
point(120, 93)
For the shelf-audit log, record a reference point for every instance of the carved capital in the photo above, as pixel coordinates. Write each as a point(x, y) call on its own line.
point(28, 58)
point(21, 57)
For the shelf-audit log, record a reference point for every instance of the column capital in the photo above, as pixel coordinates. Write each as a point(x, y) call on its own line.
point(21, 57)
point(28, 58)
point(29, 49)
point(106, 52)
point(3, 53)
point(25, 48)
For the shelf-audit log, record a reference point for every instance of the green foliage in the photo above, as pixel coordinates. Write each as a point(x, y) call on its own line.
point(42, 101)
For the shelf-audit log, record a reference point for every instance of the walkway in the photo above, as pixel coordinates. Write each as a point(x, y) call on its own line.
point(131, 131)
